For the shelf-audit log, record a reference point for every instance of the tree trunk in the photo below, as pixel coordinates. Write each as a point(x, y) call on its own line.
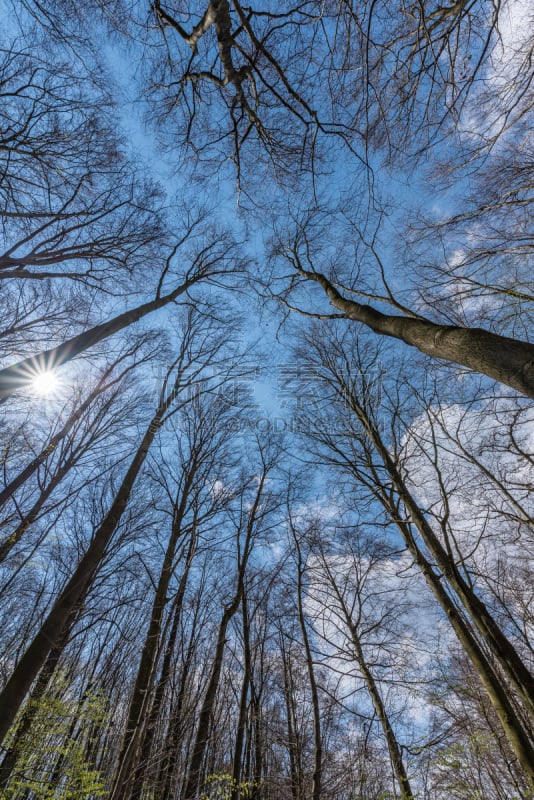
point(498, 695)
point(509, 361)
point(243, 702)
point(33, 659)
point(169, 762)
point(147, 743)
point(295, 770)
point(11, 757)
point(202, 737)
point(18, 376)
point(318, 748)
point(498, 644)
point(395, 753)
point(138, 704)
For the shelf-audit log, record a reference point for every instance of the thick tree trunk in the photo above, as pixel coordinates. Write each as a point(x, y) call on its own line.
point(23, 728)
point(18, 376)
point(509, 361)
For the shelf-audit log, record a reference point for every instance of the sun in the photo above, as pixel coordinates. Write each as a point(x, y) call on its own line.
point(45, 383)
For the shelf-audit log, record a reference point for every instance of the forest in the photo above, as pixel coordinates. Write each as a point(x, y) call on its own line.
point(266, 400)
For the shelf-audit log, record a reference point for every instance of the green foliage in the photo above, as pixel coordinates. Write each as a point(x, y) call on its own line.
point(463, 767)
point(220, 787)
point(58, 739)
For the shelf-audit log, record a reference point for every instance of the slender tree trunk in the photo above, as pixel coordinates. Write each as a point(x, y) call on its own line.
point(295, 771)
point(503, 650)
point(395, 753)
point(506, 713)
point(33, 659)
point(202, 737)
point(509, 361)
point(14, 538)
point(318, 748)
point(243, 703)
point(138, 704)
point(505, 654)
point(147, 744)
point(169, 763)
point(18, 376)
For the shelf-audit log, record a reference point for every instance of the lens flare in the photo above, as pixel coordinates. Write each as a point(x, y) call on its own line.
point(45, 383)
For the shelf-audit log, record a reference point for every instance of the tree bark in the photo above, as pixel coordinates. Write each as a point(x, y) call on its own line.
point(45, 676)
point(138, 704)
point(243, 702)
point(497, 693)
point(509, 361)
point(202, 737)
point(503, 651)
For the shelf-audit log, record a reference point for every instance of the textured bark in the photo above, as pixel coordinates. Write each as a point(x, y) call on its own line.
point(509, 361)
point(19, 376)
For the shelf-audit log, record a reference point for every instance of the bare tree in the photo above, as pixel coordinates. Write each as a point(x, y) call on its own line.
point(365, 446)
point(209, 264)
point(173, 396)
point(509, 361)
